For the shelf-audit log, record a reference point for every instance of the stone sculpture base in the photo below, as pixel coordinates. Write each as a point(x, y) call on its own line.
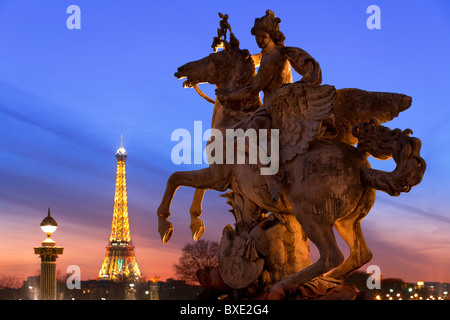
point(252, 260)
point(321, 288)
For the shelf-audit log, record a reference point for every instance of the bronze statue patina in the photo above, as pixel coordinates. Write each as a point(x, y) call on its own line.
point(323, 180)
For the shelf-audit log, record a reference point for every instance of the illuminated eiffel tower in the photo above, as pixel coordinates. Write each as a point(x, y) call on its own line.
point(120, 263)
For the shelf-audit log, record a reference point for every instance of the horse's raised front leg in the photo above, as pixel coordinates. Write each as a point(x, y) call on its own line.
point(197, 226)
point(208, 178)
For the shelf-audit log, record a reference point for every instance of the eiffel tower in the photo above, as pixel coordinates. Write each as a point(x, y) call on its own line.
point(120, 263)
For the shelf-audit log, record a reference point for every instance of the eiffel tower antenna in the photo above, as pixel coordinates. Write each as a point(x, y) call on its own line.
point(120, 262)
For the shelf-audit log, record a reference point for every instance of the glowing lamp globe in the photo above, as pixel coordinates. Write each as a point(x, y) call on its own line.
point(48, 225)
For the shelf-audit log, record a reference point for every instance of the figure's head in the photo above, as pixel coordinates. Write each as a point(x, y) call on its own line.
point(268, 26)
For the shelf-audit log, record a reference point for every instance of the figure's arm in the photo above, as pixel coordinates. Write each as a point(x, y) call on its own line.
point(304, 65)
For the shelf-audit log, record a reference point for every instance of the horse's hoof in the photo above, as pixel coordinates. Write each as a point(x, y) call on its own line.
point(165, 230)
point(197, 227)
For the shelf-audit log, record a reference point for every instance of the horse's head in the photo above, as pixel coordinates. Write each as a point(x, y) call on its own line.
point(211, 69)
point(230, 68)
point(225, 69)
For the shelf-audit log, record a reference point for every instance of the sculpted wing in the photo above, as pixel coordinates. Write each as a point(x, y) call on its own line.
point(355, 106)
point(297, 110)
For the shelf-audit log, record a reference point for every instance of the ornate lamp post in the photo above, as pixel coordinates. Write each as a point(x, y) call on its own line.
point(48, 252)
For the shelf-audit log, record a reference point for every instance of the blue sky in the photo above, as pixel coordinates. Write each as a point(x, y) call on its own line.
point(66, 95)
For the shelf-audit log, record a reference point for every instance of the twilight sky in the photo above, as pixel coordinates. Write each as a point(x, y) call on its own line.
point(66, 95)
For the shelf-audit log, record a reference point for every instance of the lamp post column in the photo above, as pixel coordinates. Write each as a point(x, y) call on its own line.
point(48, 253)
point(48, 270)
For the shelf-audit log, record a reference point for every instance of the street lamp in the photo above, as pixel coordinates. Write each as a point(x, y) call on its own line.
point(32, 292)
point(49, 225)
point(48, 252)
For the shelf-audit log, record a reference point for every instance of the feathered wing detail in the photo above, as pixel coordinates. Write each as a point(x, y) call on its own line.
point(355, 106)
point(297, 110)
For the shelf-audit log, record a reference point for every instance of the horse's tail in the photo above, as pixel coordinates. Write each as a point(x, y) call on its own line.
point(384, 143)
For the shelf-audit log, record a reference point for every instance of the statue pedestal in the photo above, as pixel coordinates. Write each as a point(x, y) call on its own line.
point(252, 261)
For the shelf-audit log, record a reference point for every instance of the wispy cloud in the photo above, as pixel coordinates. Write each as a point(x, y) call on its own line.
point(414, 210)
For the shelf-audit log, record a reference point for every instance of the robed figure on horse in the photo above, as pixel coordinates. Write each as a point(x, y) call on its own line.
point(323, 179)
